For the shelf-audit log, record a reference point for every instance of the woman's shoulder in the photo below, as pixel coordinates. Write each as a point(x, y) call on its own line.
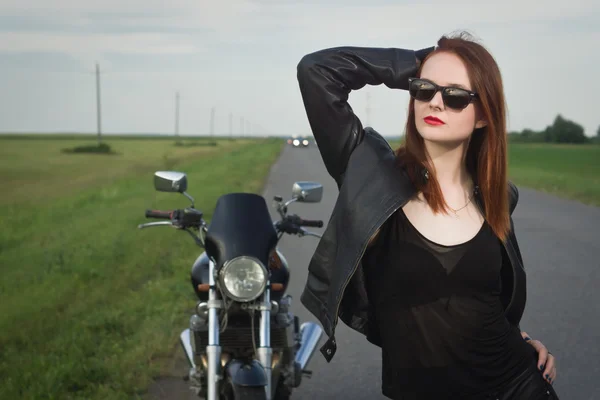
point(377, 142)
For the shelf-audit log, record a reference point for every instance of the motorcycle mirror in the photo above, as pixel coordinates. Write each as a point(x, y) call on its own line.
point(307, 192)
point(170, 181)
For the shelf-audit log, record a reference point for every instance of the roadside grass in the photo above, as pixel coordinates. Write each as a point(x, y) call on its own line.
point(90, 304)
point(570, 171)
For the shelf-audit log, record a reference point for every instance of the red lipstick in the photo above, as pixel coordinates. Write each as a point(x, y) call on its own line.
point(431, 120)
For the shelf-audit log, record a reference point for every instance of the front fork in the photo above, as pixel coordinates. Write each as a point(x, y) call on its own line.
point(213, 349)
point(265, 352)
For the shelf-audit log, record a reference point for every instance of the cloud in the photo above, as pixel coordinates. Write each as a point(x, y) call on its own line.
point(231, 53)
point(131, 43)
point(153, 26)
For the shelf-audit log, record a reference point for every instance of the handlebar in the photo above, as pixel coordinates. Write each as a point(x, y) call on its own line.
point(192, 218)
point(187, 219)
point(292, 224)
point(296, 220)
point(158, 214)
point(311, 223)
point(182, 218)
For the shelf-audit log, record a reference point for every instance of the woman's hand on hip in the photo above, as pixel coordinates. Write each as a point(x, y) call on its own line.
point(546, 361)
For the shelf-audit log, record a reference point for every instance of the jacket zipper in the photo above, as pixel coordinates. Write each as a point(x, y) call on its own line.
point(337, 310)
point(364, 249)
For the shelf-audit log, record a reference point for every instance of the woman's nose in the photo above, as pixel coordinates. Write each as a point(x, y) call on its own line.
point(437, 101)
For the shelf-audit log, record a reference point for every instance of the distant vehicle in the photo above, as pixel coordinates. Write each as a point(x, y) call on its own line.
point(298, 141)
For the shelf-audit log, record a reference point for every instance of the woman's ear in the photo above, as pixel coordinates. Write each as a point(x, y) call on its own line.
point(480, 124)
point(480, 117)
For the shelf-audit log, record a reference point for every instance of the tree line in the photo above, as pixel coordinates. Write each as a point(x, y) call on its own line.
point(562, 130)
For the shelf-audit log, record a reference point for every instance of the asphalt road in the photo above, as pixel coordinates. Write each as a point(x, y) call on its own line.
point(560, 243)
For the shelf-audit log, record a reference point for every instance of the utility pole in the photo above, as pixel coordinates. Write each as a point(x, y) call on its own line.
point(177, 117)
point(212, 121)
point(230, 125)
point(242, 126)
point(98, 109)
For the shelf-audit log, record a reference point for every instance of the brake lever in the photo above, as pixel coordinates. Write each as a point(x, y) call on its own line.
point(150, 224)
point(196, 238)
point(304, 232)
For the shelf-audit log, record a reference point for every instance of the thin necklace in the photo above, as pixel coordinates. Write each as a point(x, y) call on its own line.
point(475, 189)
point(468, 202)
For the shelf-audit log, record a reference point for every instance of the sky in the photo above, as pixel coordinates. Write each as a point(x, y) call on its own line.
point(239, 58)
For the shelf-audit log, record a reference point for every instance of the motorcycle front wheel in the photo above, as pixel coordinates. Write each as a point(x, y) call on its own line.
point(282, 392)
point(234, 392)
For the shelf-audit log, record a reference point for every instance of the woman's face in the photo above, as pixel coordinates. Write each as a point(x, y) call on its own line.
point(445, 69)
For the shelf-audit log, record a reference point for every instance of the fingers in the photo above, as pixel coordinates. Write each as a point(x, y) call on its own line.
point(540, 348)
point(542, 353)
point(550, 369)
point(546, 361)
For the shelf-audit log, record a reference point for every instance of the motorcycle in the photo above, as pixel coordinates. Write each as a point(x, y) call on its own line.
point(242, 276)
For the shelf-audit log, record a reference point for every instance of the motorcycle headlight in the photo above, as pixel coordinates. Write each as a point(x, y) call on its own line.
point(243, 278)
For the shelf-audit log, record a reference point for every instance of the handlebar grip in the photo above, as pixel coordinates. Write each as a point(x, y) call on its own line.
point(158, 214)
point(311, 224)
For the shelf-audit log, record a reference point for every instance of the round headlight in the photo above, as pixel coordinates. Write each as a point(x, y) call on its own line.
point(296, 142)
point(243, 278)
point(305, 142)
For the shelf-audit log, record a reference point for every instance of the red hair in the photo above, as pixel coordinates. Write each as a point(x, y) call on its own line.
point(487, 152)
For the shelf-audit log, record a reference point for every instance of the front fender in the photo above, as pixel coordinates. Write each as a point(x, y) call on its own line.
point(246, 374)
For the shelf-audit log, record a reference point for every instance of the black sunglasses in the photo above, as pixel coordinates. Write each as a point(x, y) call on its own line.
point(453, 97)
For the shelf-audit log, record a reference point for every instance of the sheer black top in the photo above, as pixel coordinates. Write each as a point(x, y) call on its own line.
point(443, 329)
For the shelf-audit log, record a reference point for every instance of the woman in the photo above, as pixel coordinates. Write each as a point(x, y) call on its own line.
point(420, 253)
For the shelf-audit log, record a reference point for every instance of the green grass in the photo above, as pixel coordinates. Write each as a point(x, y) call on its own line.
point(570, 171)
point(91, 306)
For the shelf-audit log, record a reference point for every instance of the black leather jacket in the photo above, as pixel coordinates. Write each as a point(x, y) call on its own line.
point(371, 187)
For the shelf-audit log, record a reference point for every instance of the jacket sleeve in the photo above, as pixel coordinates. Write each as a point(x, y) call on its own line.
point(326, 78)
point(514, 200)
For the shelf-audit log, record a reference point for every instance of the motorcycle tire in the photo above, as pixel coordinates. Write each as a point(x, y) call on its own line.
point(242, 392)
point(282, 392)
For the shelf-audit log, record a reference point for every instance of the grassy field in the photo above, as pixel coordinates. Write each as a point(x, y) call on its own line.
point(568, 171)
point(90, 304)
point(91, 307)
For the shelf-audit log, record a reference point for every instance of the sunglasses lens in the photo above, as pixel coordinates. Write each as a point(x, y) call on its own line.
point(422, 90)
point(456, 98)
